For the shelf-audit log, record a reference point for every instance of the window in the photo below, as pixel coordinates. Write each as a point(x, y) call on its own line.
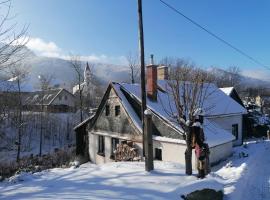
point(115, 142)
point(101, 145)
point(107, 110)
point(158, 154)
point(235, 130)
point(117, 110)
point(65, 97)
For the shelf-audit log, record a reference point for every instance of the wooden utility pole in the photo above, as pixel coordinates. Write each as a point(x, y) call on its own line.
point(148, 165)
point(148, 142)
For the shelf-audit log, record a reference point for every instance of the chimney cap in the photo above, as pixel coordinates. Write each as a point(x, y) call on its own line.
point(152, 59)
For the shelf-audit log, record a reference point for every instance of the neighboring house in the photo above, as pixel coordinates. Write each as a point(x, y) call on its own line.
point(118, 119)
point(52, 100)
point(230, 91)
point(263, 101)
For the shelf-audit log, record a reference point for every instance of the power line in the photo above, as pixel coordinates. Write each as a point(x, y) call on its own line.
point(215, 36)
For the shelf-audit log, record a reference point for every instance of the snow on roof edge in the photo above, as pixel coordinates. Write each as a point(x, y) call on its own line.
point(227, 90)
point(135, 119)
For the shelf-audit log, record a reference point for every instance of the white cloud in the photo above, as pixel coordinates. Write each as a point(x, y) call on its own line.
point(50, 49)
point(42, 48)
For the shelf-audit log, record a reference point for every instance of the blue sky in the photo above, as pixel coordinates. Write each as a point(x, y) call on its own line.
point(107, 30)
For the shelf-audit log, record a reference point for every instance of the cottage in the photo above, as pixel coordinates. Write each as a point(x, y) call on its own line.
point(52, 100)
point(118, 120)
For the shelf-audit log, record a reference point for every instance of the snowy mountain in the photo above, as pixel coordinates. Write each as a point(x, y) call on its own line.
point(63, 73)
point(65, 76)
point(244, 80)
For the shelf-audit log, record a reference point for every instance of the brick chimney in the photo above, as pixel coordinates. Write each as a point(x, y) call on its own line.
point(162, 72)
point(151, 79)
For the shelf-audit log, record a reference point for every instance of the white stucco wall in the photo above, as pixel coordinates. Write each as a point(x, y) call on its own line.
point(70, 101)
point(176, 152)
point(93, 147)
point(173, 152)
point(220, 152)
point(226, 123)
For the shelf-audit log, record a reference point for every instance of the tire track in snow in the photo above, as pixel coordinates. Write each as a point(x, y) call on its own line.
point(254, 184)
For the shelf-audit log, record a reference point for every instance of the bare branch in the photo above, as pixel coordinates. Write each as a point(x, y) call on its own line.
point(133, 66)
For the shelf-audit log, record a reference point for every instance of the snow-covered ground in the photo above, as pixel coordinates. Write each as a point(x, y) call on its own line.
point(57, 133)
point(240, 177)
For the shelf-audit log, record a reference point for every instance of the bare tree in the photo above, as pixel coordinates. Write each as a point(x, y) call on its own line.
point(227, 78)
point(44, 83)
point(19, 74)
point(187, 89)
point(234, 75)
point(77, 66)
point(11, 43)
point(133, 66)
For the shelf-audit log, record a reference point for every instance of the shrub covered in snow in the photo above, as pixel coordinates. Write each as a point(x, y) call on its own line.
point(60, 158)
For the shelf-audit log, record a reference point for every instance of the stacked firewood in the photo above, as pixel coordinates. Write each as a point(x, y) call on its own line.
point(126, 152)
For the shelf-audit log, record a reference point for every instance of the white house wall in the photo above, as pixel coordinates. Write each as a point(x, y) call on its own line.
point(61, 100)
point(226, 123)
point(220, 152)
point(172, 152)
point(175, 152)
point(93, 147)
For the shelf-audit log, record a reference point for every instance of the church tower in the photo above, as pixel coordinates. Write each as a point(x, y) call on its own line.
point(87, 75)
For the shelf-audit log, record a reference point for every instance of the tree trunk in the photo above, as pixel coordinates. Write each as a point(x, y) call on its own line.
point(188, 153)
point(20, 121)
point(41, 126)
point(132, 76)
point(80, 93)
point(19, 145)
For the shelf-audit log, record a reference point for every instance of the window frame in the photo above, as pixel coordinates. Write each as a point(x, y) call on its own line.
point(114, 143)
point(117, 110)
point(235, 131)
point(101, 145)
point(159, 157)
point(107, 110)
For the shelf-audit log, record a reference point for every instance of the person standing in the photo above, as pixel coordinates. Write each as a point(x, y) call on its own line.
point(201, 148)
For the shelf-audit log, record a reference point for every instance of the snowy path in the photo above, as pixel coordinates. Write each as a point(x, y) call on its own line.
point(245, 178)
point(254, 184)
point(109, 181)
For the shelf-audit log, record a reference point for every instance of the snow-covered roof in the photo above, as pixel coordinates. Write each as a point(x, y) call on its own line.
point(7, 86)
point(11, 86)
point(227, 90)
point(130, 111)
point(41, 97)
point(215, 135)
point(216, 102)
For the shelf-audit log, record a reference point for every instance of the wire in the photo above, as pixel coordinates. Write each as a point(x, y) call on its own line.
point(215, 36)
